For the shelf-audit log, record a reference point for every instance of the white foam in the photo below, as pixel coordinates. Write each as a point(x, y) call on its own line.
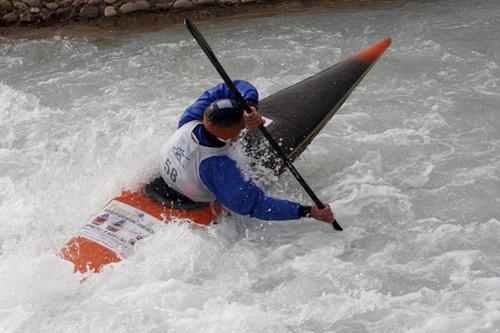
point(410, 164)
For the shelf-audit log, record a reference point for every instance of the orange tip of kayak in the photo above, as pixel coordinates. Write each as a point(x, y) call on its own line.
point(373, 52)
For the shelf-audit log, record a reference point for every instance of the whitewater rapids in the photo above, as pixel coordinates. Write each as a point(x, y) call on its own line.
point(411, 163)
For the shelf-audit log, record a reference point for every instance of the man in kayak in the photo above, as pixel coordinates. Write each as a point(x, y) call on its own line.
point(195, 161)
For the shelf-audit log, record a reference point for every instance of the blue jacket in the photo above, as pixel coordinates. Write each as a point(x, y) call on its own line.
point(221, 175)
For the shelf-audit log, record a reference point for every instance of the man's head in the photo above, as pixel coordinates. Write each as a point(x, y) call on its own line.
point(224, 119)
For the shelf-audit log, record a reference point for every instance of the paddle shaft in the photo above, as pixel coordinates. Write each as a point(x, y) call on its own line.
point(213, 59)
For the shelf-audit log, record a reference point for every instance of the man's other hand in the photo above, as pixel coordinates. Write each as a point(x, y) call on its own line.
point(324, 215)
point(254, 119)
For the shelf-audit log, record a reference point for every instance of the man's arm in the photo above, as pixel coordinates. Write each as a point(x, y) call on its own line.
point(224, 179)
point(220, 91)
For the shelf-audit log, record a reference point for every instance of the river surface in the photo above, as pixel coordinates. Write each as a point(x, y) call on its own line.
point(411, 163)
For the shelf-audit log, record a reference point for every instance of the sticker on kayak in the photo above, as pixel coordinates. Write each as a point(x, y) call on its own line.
point(267, 121)
point(118, 227)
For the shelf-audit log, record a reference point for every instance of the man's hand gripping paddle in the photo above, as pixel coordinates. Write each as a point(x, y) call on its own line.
point(211, 56)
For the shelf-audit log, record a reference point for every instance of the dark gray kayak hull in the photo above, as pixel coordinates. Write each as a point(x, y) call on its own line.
point(300, 111)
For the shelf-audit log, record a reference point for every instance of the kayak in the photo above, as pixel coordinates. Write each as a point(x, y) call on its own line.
point(300, 111)
point(295, 115)
point(112, 232)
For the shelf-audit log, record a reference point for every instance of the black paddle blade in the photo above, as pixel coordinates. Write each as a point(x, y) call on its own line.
point(205, 47)
point(336, 226)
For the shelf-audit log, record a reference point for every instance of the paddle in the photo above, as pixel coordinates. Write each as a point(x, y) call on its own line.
point(213, 59)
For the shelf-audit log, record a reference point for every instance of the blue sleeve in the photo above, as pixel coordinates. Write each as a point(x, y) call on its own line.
point(220, 91)
point(222, 177)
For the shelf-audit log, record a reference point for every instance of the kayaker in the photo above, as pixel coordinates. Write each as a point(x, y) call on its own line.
point(195, 161)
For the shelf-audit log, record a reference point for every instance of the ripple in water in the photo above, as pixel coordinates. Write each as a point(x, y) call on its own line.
point(411, 164)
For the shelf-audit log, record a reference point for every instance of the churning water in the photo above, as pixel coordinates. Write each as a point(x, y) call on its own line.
point(411, 163)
